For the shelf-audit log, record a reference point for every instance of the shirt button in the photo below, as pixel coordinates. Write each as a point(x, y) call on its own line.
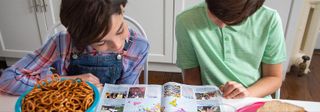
point(228, 51)
point(119, 57)
point(227, 39)
point(74, 56)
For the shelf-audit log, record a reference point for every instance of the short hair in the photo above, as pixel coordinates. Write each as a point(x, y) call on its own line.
point(88, 21)
point(233, 12)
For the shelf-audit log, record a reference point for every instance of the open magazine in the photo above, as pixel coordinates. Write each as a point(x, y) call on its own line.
point(170, 97)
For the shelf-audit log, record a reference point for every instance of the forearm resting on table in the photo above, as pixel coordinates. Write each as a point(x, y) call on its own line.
point(16, 81)
point(86, 77)
point(270, 81)
point(192, 76)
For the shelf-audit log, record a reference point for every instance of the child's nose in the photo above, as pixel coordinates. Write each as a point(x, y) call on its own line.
point(118, 45)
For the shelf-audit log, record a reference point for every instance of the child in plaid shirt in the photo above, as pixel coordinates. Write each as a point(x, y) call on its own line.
point(97, 47)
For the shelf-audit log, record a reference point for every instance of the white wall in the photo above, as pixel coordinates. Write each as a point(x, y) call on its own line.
point(293, 24)
point(318, 41)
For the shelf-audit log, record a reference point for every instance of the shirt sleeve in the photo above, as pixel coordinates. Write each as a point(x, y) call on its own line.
point(275, 51)
point(24, 74)
point(186, 56)
point(135, 60)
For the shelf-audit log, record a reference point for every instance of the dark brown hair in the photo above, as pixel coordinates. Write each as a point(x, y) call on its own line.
point(88, 21)
point(233, 12)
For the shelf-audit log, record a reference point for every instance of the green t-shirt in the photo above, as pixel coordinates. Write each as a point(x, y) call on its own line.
point(230, 53)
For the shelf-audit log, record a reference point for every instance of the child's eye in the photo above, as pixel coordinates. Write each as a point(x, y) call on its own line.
point(120, 32)
point(100, 43)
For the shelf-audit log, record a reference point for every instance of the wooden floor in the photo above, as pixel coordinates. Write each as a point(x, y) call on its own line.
point(305, 87)
point(294, 87)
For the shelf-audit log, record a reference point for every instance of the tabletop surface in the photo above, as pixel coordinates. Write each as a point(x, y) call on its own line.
point(309, 106)
point(7, 103)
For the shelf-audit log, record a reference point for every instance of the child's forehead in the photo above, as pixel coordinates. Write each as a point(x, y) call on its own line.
point(116, 21)
point(115, 24)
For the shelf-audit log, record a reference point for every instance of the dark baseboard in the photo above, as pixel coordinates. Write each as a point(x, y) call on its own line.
point(3, 64)
point(316, 51)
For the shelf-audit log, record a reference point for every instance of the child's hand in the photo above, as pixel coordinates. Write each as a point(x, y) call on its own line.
point(232, 90)
point(87, 77)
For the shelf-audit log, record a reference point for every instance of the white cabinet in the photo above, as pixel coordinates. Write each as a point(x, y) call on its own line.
point(24, 25)
point(156, 17)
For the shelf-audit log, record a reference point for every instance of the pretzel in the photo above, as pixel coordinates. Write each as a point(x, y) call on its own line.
point(59, 96)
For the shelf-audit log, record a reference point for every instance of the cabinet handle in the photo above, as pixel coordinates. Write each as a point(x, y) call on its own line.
point(35, 5)
point(44, 5)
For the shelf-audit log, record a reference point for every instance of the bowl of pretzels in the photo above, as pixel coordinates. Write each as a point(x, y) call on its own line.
point(59, 95)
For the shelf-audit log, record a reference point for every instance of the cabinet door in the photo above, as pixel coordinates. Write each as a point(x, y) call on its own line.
point(48, 18)
point(24, 28)
point(19, 31)
point(156, 17)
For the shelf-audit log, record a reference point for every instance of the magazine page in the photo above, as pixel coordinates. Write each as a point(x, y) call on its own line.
point(130, 98)
point(185, 98)
point(208, 98)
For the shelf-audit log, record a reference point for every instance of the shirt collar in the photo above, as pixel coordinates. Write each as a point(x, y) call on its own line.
point(231, 27)
point(234, 27)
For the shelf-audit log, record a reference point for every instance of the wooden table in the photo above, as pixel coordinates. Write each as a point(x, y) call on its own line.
point(7, 103)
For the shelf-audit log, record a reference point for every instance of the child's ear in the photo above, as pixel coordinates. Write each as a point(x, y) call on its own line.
point(122, 9)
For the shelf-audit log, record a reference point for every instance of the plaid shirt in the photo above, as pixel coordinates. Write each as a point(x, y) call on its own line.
point(24, 74)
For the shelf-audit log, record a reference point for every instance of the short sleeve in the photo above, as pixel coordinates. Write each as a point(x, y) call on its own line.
point(275, 51)
point(186, 56)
